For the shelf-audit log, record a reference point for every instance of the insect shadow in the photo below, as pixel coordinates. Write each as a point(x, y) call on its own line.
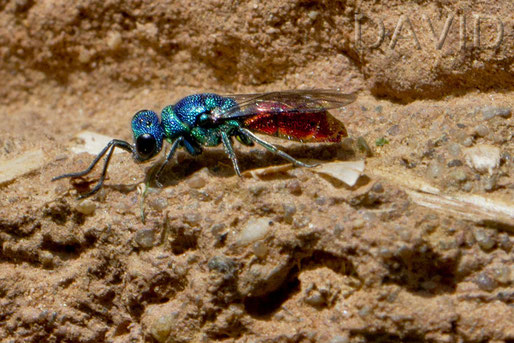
point(216, 161)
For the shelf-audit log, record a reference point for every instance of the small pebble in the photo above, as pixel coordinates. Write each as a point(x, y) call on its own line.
point(59, 189)
point(404, 233)
point(468, 264)
point(196, 182)
point(294, 187)
point(260, 249)
point(289, 211)
point(122, 207)
point(454, 163)
point(490, 183)
point(358, 224)
point(114, 40)
point(145, 238)
point(101, 195)
point(161, 327)
point(483, 158)
point(468, 141)
point(301, 221)
point(313, 15)
point(484, 238)
point(86, 207)
point(467, 187)
point(385, 252)
point(393, 130)
point(485, 282)
point(490, 112)
point(316, 299)
point(85, 56)
point(377, 188)
point(504, 241)
point(321, 201)
point(447, 244)
point(223, 265)
point(254, 230)
point(46, 258)
point(158, 204)
point(379, 109)
point(406, 162)
point(192, 218)
point(429, 145)
point(481, 130)
point(434, 170)
point(459, 175)
point(502, 273)
point(148, 31)
point(364, 311)
point(218, 229)
point(256, 190)
point(478, 64)
point(338, 229)
point(454, 149)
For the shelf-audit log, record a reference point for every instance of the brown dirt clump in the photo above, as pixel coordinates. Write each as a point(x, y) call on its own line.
point(419, 250)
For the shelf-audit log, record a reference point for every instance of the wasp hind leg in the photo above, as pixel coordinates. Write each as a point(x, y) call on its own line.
point(274, 149)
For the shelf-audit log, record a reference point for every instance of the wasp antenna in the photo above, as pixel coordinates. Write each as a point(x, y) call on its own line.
point(115, 143)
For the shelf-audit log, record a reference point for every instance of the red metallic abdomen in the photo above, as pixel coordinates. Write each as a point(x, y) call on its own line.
point(275, 119)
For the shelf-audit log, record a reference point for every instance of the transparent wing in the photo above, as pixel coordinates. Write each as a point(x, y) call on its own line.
point(299, 101)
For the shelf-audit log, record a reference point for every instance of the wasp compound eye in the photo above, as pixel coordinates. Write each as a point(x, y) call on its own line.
point(145, 146)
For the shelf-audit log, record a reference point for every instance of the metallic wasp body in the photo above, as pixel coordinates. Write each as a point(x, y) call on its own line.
point(206, 120)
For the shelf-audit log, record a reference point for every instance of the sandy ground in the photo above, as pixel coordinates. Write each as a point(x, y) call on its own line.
point(419, 250)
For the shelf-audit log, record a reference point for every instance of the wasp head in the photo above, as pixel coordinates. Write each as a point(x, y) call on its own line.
point(148, 135)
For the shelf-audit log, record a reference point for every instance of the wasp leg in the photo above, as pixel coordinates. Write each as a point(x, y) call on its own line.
point(192, 147)
point(274, 149)
point(244, 139)
point(230, 152)
point(178, 142)
point(115, 143)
